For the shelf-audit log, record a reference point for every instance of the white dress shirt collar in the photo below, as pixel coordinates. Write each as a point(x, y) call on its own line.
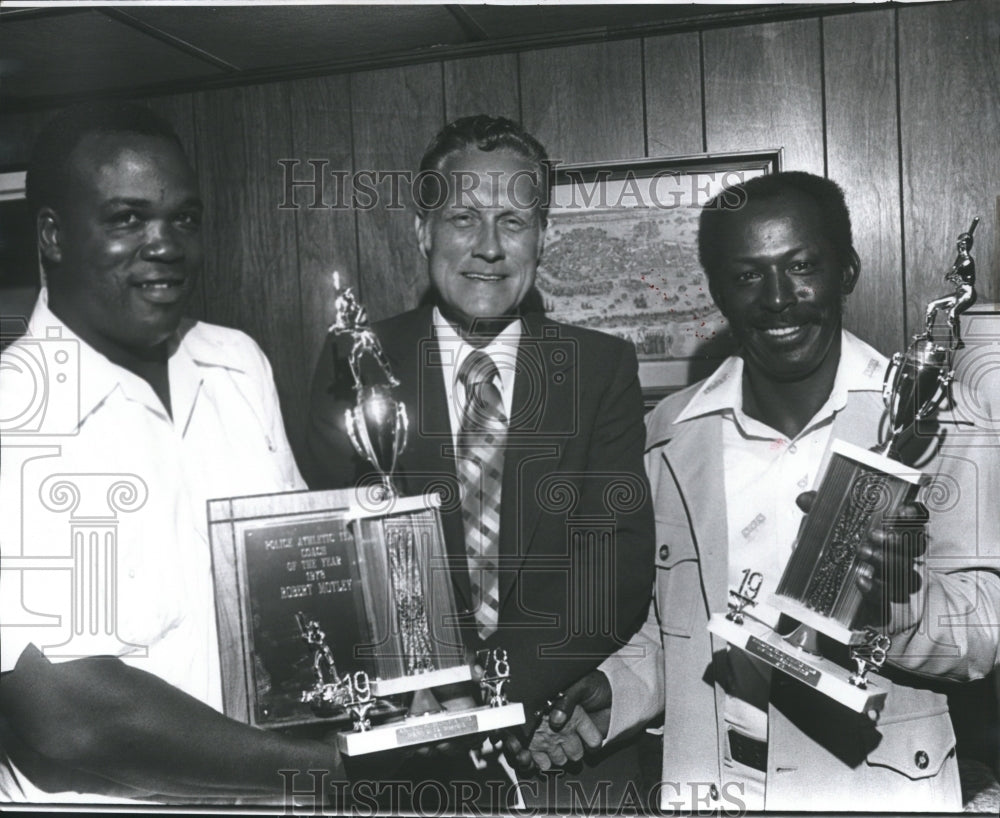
point(861, 369)
point(455, 349)
point(99, 376)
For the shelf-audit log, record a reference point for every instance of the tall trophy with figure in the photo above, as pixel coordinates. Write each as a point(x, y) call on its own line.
point(818, 592)
point(340, 602)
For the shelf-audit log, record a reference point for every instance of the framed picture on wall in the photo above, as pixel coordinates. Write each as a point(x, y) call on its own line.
point(621, 256)
point(20, 278)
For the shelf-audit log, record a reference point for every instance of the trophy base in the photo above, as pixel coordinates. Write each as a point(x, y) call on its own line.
point(828, 678)
point(430, 727)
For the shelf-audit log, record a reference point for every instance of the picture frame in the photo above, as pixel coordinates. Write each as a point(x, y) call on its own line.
point(621, 257)
point(20, 270)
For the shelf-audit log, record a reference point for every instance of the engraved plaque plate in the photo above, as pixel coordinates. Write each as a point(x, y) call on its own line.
point(437, 731)
point(290, 567)
point(783, 661)
point(820, 673)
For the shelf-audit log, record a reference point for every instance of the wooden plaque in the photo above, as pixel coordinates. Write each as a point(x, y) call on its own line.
point(375, 577)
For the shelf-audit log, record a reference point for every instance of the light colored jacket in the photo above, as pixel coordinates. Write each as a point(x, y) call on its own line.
point(905, 761)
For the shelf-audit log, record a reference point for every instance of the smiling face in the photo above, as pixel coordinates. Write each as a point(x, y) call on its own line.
point(124, 247)
point(484, 243)
point(779, 284)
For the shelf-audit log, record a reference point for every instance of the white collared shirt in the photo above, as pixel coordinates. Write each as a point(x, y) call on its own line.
point(73, 426)
point(764, 473)
point(454, 350)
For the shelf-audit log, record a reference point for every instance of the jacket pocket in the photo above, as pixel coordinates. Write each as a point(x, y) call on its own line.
point(917, 748)
point(678, 579)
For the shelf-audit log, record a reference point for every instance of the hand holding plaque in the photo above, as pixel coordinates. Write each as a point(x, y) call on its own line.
point(863, 531)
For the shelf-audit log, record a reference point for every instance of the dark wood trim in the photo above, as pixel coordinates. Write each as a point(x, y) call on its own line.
point(475, 32)
point(737, 16)
point(15, 15)
point(123, 17)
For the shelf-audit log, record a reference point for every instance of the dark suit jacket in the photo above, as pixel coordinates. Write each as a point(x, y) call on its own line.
point(576, 530)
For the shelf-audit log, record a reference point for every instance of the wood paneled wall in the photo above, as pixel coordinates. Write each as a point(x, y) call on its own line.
point(901, 106)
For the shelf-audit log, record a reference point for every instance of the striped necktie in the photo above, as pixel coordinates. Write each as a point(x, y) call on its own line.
point(480, 472)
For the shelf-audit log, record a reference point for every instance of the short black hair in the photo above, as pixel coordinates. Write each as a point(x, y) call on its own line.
point(487, 133)
point(48, 169)
point(827, 194)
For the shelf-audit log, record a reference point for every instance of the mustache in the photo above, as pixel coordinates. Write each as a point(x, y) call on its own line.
point(802, 314)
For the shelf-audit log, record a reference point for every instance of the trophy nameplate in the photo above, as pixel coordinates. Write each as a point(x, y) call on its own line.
point(337, 607)
point(860, 489)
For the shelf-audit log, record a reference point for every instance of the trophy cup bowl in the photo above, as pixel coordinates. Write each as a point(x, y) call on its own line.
point(860, 489)
point(377, 427)
point(915, 384)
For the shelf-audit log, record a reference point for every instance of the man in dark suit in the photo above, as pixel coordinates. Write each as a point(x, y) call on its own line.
point(548, 528)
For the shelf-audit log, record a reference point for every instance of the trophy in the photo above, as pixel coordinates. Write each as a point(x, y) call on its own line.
point(817, 592)
point(336, 608)
point(422, 606)
point(378, 424)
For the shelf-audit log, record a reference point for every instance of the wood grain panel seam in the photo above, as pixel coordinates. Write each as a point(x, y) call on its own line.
point(297, 244)
point(444, 95)
point(822, 96)
point(520, 95)
point(354, 212)
point(704, 95)
point(902, 186)
point(642, 91)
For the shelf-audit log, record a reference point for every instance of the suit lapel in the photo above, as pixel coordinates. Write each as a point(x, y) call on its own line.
point(546, 388)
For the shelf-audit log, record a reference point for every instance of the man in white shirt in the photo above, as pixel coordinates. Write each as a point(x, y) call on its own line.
point(748, 441)
point(120, 420)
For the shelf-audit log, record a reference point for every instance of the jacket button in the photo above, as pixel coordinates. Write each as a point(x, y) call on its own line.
point(921, 760)
point(664, 551)
point(713, 790)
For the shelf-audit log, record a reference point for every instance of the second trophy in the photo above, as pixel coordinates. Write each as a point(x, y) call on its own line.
point(818, 596)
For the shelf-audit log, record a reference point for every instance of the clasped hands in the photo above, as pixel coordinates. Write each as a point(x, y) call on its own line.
point(577, 722)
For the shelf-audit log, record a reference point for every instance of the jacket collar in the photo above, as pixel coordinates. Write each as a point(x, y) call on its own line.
point(860, 369)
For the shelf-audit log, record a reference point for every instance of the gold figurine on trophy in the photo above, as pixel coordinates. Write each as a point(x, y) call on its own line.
point(378, 423)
